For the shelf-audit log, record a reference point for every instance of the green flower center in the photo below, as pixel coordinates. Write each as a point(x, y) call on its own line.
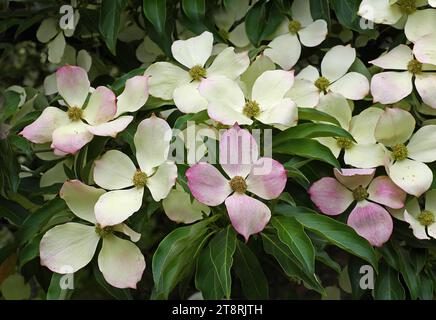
point(399, 152)
point(426, 218)
point(75, 113)
point(103, 231)
point(414, 66)
point(251, 109)
point(344, 143)
point(360, 193)
point(197, 72)
point(238, 184)
point(139, 179)
point(322, 84)
point(407, 6)
point(294, 26)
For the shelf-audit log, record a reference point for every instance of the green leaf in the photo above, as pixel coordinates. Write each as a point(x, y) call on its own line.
point(11, 102)
point(346, 12)
point(324, 257)
point(316, 115)
point(261, 21)
point(155, 12)
point(9, 168)
point(320, 9)
point(13, 212)
point(288, 262)
point(174, 258)
point(29, 252)
point(182, 122)
point(291, 233)
point(334, 231)
point(119, 294)
point(109, 22)
point(388, 285)
point(213, 276)
point(35, 221)
point(55, 292)
point(194, 9)
point(249, 271)
point(408, 271)
point(307, 148)
point(426, 288)
point(298, 176)
point(311, 130)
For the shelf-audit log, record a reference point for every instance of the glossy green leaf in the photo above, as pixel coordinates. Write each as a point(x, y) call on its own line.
point(346, 12)
point(307, 148)
point(291, 233)
point(155, 12)
point(174, 258)
point(320, 9)
point(280, 251)
point(334, 231)
point(312, 114)
point(213, 276)
point(10, 105)
point(35, 221)
point(249, 271)
point(109, 22)
point(388, 285)
point(194, 9)
point(261, 21)
point(311, 130)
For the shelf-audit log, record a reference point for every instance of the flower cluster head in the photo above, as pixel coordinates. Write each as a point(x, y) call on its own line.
point(392, 86)
point(70, 128)
point(116, 172)
point(245, 173)
point(69, 247)
point(335, 77)
point(285, 49)
point(171, 82)
point(369, 217)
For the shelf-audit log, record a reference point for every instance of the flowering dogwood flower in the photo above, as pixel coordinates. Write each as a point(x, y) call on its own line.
point(368, 218)
point(239, 158)
point(364, 152)
point(115, 171)
point(168, 81)
point(417, 23)
point(392, 86)
point(422, 220)
point(334, 78)
point(405, 163)
point(69, 247)
point(267, 103)
point(285, 49)
point(68, 131)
